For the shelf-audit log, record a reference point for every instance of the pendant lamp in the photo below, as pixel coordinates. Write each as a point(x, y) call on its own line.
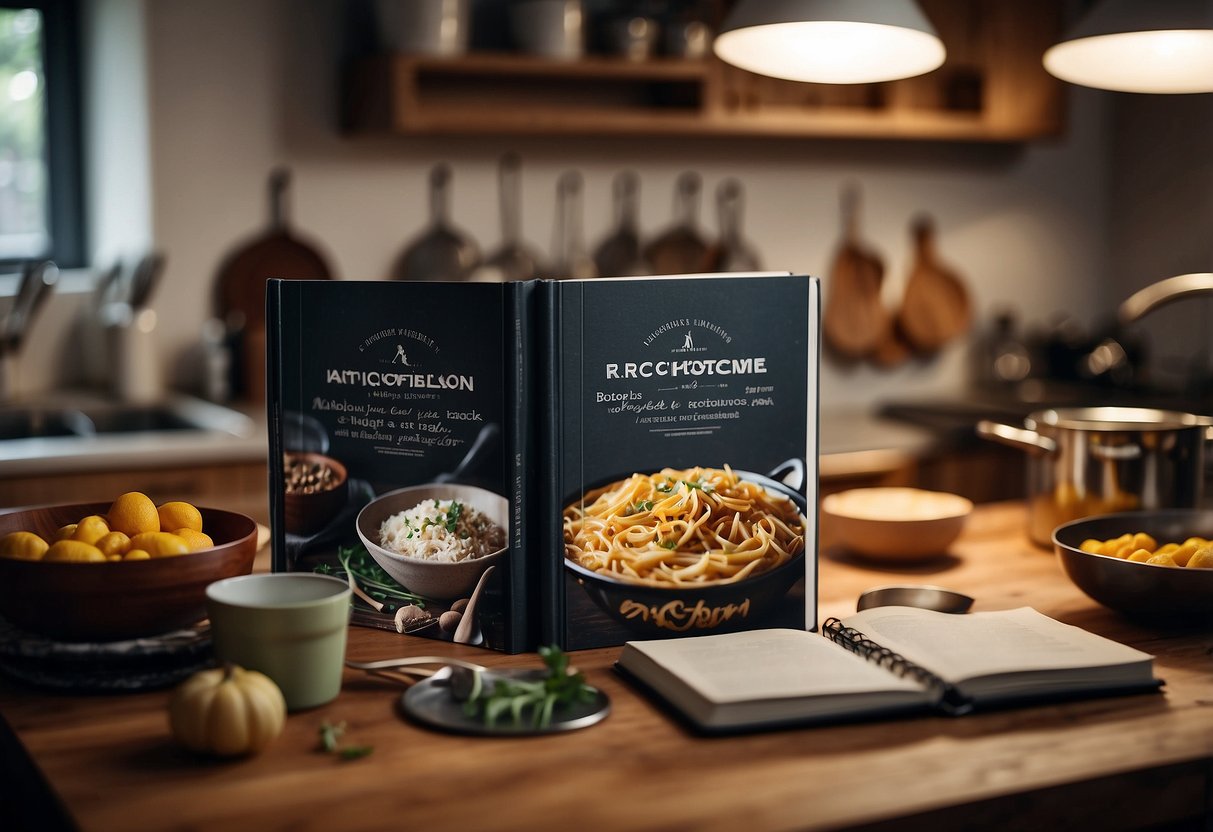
point(830, 41)
point(1153, 46)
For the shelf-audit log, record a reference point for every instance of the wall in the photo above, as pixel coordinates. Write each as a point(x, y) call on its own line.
point(238, 86)
point(1161, 224)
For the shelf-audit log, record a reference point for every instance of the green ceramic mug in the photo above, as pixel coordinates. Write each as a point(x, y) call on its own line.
point(291, 627)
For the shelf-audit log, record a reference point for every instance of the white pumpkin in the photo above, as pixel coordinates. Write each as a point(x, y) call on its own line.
point(227, 711)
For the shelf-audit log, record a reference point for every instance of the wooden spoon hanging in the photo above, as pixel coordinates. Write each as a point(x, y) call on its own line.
point(936, 305)
point(855, 321)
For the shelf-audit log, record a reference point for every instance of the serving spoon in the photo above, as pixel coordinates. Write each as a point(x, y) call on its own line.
point(459, 675)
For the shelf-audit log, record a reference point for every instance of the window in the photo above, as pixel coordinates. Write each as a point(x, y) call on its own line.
point(40, 193)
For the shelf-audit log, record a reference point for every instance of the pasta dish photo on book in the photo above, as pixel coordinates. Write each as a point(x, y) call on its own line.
point(883, 662)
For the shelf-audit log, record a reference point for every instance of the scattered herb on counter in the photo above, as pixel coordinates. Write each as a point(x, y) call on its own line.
point(330, 736)
point(370, 576)
point(534, 700)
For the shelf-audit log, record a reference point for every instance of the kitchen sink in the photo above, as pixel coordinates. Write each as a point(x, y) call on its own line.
point(98, 419)
point(24, 423)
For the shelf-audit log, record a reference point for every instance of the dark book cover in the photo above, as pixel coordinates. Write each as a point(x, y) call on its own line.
point(680, 414)
point(383, 397)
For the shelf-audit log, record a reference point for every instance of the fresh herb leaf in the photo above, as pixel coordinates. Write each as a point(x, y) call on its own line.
point(643, 505)
point(330, 742)
point(532, 700)
point(670, 544)
point(453, 513)
point(370, 576)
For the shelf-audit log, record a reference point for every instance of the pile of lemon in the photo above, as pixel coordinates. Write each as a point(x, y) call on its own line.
point(134, 528)
point(1193, 553)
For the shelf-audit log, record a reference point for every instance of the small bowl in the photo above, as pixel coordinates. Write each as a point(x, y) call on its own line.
point(1144, 591)
point(433, 579)
point(100, 602)
point(663, 612)
point(309, 513)
point(896, 524)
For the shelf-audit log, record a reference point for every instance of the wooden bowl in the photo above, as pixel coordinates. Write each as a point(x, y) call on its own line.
point(1146, 592)
point(433, 579)
point(100, 602)
point(307, 514)
point(896, 524)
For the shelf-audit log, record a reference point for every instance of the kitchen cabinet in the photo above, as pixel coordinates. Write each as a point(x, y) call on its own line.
point(992, 87)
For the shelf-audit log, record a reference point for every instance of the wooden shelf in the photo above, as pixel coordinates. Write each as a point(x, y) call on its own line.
point(991, 88)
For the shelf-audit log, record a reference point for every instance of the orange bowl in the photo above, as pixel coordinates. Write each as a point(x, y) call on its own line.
point(100, 602)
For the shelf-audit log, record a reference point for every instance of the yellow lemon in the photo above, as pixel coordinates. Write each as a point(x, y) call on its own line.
point(91, 529)
point(179, 515)
point(197, 541)
point(137, 554)
point(75, 551)
point(114, 543)
point(66, 532)
point(160, 544)
point(1203, 559)
point(23, 546)
point(134, 513)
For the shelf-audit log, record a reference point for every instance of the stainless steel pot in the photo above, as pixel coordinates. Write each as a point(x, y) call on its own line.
point(1095, 460)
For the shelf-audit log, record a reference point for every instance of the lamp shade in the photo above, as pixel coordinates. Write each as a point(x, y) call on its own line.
point(830, 41)
point(1160, 46)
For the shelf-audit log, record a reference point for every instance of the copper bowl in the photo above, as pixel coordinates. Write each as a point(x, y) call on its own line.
point(99, 602)
point(308, 513)
point(1144, 591)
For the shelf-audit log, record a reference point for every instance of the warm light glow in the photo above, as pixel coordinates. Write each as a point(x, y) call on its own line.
point(831, 52)
point(1170, 61)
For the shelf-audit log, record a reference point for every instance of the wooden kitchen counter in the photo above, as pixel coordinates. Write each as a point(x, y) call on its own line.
point(1127, 762)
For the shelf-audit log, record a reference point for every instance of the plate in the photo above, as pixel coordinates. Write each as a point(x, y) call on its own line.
point(430, 703)
point(103, 667)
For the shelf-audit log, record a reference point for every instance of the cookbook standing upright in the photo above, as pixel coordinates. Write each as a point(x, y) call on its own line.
point(680, 431)
point(415, 391)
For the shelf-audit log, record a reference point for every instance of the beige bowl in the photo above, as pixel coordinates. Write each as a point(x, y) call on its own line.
point(896, 524)
point(433, 579)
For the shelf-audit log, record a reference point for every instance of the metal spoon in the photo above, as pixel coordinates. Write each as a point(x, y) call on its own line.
point(459, 675)
point(925, 597)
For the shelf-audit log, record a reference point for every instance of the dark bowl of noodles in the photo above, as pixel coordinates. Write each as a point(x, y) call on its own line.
point(687, 552)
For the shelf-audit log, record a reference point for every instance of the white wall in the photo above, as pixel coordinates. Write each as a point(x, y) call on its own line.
point(238, 86)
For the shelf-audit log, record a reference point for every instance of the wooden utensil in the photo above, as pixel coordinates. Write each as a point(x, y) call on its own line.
point(855, 320)
point(240, 284)
point(936, 305)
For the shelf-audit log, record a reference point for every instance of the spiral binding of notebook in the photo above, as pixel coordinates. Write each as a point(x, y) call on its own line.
point(947, 696)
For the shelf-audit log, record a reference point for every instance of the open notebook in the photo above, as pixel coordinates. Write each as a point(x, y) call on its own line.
point(883, 662)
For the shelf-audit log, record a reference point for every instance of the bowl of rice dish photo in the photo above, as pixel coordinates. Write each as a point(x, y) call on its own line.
point(436, 540)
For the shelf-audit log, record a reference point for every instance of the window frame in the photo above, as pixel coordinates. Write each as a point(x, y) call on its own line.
point(61, 55)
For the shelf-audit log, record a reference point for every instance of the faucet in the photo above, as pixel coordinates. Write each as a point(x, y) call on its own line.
point(1146, 300)
point(1163, 292)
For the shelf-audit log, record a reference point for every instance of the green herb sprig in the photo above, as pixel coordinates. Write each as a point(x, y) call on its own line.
point(532, 700)
point(370, 576)
point(330, 742)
